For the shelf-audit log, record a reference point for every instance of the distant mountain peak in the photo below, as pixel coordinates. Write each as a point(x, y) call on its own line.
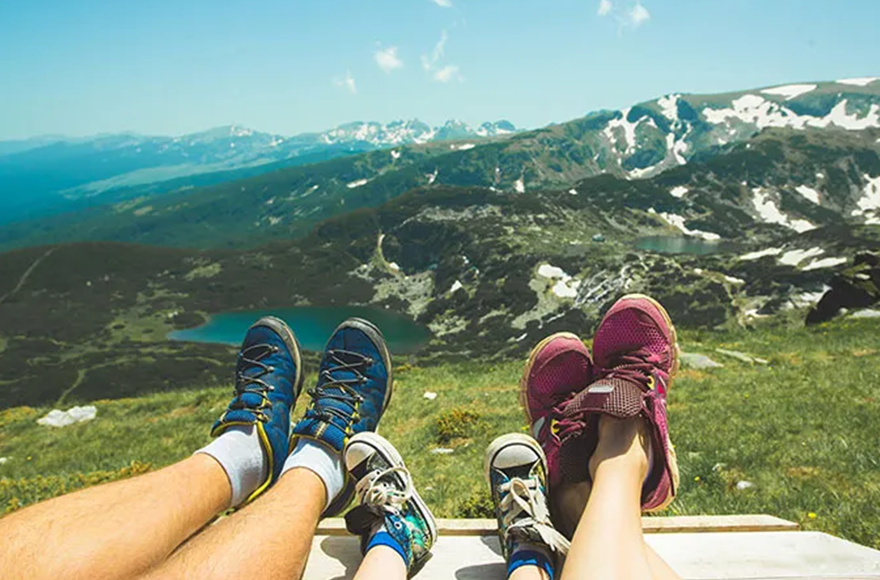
point(413, 131)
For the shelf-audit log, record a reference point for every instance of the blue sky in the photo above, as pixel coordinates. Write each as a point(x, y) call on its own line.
point(81, 67)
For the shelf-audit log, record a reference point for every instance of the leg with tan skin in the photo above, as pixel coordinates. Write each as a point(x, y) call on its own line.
point(117, 530)
point(569, 503)
point(609, 543)
point(281, 524)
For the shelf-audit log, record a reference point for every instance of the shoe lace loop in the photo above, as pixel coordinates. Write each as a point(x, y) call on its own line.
point(524, 513)
point(252, 357)
point(380, 490)
point(337, 388)
point(635, 366)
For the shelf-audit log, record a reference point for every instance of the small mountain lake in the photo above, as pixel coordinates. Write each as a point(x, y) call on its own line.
point(311, 324)
point(680, 245)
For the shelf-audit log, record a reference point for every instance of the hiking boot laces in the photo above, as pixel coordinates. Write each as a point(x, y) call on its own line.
point(253, 383)
point(342, 390)
point(378, 490)
point(524, 514)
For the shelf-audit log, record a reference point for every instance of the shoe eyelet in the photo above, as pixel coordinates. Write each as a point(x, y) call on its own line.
point(398, 525)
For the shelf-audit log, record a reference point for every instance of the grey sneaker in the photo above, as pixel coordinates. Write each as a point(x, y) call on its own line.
point(386, 496)
point(516, 471)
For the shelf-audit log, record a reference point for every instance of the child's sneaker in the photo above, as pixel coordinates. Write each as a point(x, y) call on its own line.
point(516, 469)
point(388, 502)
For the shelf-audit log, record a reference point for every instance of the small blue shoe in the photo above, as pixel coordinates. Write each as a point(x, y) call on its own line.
point(353, 390)
point(268, 379)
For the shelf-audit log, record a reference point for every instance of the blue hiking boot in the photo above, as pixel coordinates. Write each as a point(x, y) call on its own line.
point(353, 390)
point(268, 379)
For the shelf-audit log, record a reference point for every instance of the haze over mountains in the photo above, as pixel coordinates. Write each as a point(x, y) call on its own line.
point(52, 173)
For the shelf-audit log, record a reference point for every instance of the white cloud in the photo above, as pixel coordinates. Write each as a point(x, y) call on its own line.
point(346, 83)
point(639, 15)
point(428, 62)
point(443, 3)
point(387, 59)
point(605, 7)
point(447, 74)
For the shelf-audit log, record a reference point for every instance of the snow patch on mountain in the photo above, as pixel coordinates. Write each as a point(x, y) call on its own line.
point(629, 131)
point(809, 193)
point(770, 213)
point(679, 191)
point(824, 263)
point(679, 222)
point(669, 107)
point(357, 183)
point(762, 113)
point(795, 257)
point(790, 91)
point(858, 82)
point(870, 201)
point(760, 254)
point(519, 185)
point(565, 286)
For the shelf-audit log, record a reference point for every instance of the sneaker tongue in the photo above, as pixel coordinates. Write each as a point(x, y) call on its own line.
point(619, 397)
point(521, 471)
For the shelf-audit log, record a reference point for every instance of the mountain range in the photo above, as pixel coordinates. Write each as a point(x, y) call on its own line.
point(51, 174)
point(639, 142)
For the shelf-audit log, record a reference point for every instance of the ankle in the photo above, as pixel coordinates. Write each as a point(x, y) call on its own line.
point(622, 443)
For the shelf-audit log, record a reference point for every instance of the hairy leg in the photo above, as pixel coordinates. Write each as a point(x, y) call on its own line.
point(273, 535)
point(116, 530)
point(608, 543)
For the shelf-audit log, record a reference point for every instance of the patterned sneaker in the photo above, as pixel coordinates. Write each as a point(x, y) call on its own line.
point(268, 379)
point(636, 356)
point(386, 497)
point(353, 390)
point(515, 469)
point(558, 367)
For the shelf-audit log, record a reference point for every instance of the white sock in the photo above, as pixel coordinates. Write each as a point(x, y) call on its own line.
point(239, 452)
point(320, 460)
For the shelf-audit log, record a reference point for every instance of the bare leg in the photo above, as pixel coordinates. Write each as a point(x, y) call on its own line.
point(117, 530)
point(608, 543)
point(381, 563)
point(272, 535)
point(569, 504)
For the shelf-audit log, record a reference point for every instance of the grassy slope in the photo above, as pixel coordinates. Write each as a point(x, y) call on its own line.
point(802, 429)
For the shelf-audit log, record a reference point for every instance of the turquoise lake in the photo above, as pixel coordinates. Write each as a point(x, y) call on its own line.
point(312, 326)
point(679, 245)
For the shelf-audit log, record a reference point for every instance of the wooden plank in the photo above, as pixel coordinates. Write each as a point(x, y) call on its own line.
point(695, 556)
point(651, 525)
